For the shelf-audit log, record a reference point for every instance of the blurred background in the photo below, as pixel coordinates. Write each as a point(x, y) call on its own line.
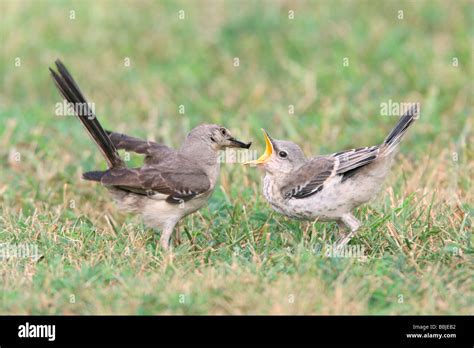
point(314, 72)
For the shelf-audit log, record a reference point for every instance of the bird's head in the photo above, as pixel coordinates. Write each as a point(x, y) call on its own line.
point(215, 136)
point(280, 156)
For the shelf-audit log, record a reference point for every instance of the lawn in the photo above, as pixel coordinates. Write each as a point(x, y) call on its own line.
point(314, 72)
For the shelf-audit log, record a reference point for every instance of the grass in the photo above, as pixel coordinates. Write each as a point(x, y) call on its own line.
point(236, 256)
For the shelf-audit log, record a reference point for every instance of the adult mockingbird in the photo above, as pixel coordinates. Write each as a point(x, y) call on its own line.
point(171, 183)
point(327, 187)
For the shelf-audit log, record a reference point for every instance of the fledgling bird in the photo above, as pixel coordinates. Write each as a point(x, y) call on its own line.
point(329, 187)
point(171, 184)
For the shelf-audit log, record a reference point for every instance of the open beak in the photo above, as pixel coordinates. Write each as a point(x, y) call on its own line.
point(268, 150)
point(237, 143)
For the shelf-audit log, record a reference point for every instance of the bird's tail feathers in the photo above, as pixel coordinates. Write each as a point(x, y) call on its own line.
point(94, 175)
point(393, 139)
point(84, 112)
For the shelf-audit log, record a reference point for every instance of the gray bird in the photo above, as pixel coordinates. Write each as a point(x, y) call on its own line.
point(330, 187)
point(171, 184)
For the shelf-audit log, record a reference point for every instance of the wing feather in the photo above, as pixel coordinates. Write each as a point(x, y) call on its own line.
point(351, 161)
point(181, 180)
point(310, 178)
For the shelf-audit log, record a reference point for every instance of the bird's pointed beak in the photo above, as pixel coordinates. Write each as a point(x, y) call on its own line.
point(268, 150)
point(237, 143)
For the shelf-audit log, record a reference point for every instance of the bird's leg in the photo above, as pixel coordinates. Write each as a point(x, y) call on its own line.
point(178, 235)
point(350, 221)
point(166, 234)
point(341, 226)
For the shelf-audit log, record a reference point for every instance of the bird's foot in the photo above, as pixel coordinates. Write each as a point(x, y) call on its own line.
point(344, 240)
point(164, 243)
point(347, 221)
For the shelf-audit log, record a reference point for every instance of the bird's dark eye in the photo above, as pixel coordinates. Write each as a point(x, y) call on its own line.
point(223, 131)
point(282, 154)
